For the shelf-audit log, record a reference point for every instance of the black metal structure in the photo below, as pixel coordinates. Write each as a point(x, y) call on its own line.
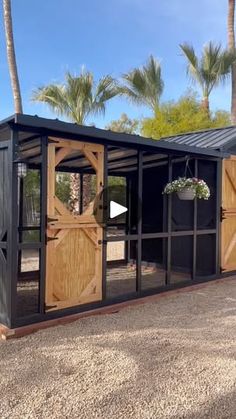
point(168, 243)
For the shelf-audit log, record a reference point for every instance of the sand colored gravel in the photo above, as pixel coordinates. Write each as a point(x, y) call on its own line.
point(175, 358)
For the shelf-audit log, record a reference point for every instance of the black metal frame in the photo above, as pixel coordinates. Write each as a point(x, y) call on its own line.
point(13, 246)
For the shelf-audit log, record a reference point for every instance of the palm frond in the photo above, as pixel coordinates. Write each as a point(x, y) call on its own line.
point(79, 96)
point(54, 97)
point(193, 69)
point(212, 68)
point(144, 85)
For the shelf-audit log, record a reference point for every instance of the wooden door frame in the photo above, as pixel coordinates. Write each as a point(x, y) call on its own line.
point(65, 220)
point(226, 213)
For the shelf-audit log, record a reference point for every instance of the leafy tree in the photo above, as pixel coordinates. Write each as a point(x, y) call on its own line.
point(144, 85)
point(211, 69)
point(124, 124)
point(63, 187)
point(182, 116)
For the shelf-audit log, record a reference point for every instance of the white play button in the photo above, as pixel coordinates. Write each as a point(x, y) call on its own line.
point(116, 209)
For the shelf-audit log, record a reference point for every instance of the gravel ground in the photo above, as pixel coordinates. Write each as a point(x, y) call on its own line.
point(175, 358)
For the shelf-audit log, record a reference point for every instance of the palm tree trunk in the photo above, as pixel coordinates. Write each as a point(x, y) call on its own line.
point(75, 193)
point(87, 190)
point(11, 56)
point(231, 46)
point(206, 105)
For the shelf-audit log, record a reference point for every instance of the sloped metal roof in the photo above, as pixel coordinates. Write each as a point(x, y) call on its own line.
point(44, 126)
point(215, 139)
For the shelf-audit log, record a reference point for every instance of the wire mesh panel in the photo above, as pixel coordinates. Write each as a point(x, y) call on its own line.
point(153, 270)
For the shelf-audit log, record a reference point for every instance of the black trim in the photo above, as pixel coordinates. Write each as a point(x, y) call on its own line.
point(12, 250)
point(139, 226)
point(133, 296)
point(43, 220)
point(64, 129)
point(195, 226)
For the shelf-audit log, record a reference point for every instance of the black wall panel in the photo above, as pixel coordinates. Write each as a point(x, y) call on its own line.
point(4, 223)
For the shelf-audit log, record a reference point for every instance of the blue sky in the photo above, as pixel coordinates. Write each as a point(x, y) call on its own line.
point(108, 36)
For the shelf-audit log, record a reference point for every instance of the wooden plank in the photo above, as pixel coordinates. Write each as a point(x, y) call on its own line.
point(60, 226)
point(230, 248)
point(91, 158)
point(90, 234)
point(77, 145)
point(228, 226)
point(57, 305)
point(100, 180)
point(60, 236)
point(91, 289)
point(61, 154)
point(80, 219)
point(60, 207)
point(229, 210)
point(231, 180)
point(51, 179)
point(50, 248)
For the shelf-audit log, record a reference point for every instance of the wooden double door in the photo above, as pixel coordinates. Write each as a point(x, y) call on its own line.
point(73, 249)
point(228, 215)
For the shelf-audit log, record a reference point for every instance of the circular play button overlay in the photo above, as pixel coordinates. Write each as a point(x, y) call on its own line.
point(110, 205)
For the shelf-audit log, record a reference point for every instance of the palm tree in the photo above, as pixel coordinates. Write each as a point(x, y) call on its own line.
point(211, 69)
point(11, 56)
point(77, 99)
point(231, 46)
point(144, 85)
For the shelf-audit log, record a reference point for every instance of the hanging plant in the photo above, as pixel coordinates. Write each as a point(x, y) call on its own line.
point(188, 188)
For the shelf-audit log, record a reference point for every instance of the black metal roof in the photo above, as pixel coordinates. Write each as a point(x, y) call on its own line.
point(215, 139)
point(178, 144)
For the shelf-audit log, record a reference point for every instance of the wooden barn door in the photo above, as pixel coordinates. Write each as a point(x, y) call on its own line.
point(74, 250)
point(228, 216)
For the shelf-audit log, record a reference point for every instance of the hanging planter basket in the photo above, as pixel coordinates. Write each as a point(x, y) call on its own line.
point(188, 188)
point(187, 194)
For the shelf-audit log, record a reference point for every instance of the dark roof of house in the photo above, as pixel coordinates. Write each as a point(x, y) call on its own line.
point(208, 143)
point(215, 139)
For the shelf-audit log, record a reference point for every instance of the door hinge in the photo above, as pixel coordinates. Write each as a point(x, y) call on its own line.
point(50, 219)
point(49, 239)
point(222, 214)
point(102, 241)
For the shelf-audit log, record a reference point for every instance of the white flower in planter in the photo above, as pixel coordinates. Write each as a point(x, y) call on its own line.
point(188, 188)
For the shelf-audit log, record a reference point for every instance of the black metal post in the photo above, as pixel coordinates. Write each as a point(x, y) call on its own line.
point(168, 262)
point(81, 179)
point(21, 208)
point(43, 221)
point(139, 226)
point(195, 226)
point(12, 242)
point(128, 218)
